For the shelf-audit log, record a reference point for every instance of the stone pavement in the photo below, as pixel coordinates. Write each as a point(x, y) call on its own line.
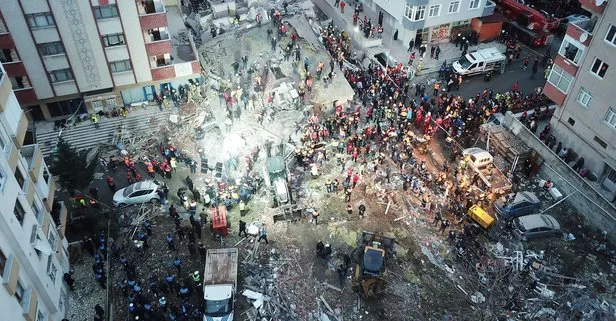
point(397, 50)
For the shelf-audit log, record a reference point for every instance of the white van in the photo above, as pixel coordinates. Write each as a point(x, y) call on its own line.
point(479, 62)
point(479, 158)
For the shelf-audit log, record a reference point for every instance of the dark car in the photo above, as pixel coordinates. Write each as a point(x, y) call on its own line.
point(516, 205)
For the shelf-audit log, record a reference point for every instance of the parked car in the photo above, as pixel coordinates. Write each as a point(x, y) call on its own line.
point(137, 193)
point(516, 205)
point(535, 226)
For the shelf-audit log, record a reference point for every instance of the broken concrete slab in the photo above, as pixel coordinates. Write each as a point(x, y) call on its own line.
point(224, 9)
point(205, 21)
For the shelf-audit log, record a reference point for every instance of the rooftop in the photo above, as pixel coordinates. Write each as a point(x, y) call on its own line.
point(180, 36)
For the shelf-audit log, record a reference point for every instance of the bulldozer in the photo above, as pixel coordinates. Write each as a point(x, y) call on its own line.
point(370, 257)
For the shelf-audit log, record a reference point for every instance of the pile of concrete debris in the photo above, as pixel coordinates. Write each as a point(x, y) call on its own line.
point(277, 287)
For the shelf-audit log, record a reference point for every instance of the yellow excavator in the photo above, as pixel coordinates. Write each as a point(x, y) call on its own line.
point(370, 257)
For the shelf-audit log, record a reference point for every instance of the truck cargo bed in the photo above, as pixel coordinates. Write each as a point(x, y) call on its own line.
point(220, 266)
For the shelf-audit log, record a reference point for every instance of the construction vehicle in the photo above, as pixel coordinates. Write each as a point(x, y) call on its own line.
point(370, 257)
point(529, 25)
point(276, 177)
point(219, 284)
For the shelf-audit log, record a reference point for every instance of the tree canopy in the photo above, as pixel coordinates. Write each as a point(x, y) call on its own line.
point(71, 167)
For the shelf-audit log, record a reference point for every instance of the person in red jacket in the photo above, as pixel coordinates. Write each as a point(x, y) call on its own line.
point(342, 5)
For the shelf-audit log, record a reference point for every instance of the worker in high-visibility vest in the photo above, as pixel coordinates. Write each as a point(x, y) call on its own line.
point(150, 169)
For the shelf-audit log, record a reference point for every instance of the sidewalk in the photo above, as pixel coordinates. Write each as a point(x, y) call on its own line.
point(396, 49)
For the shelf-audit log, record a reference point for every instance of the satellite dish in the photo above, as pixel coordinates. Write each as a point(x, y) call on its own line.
point(599, 2)
point(584, 37)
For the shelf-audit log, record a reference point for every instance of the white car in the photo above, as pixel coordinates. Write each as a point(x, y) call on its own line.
point(137, 193)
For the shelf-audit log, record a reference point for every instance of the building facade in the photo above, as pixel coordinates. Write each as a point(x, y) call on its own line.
point(581, 83)
point(425, 21)
point(33, 249)
point(91, 55)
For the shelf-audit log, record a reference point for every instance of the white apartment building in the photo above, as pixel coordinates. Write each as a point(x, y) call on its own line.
point(581, 83)
point(424, 21)
point(65, 55)
point(33, 249)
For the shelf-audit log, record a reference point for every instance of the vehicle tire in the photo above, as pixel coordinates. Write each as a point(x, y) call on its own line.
point(155, 201)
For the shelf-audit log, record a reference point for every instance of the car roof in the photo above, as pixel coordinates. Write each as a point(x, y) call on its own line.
point(538, 220)
point(144, 185)
point(526, 195)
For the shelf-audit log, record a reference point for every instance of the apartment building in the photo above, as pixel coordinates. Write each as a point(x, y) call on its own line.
point(581, 83)
point(426, 21)
point(90, 55)
point(33, 249)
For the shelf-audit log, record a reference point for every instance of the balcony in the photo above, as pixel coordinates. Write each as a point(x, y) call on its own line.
point(489, 8)
point(147, 7)
point(162, 73)
point(591, 5)
point(555, 95)
point(22, 127)
point(6, 41)
point(154, 35)
point(159, 48)
point(59, 213)
point(34, 158)
point(48, 201)
point(153, 21)
point(25, 96)
point(576, 29)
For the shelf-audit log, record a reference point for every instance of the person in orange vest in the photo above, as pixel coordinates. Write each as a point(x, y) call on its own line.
point(150, 169)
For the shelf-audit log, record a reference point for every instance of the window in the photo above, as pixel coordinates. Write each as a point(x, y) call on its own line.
point(51, 237)
point(600, 142)
point(584, 97)
point(454, 7)
point(111, 102)
point(571, 121)
point(113, 39)
point(61, 75)
point(40, 316)
point(610, 117)
point(435, 11)
point(474, 4)
point(120, 66)
point(40, 20)
point(20, 178)
point(97, 105)
point(2, 263)
point(571, 51)
point(415, 13)
point(34, 234)
point(19, 212)
point(51, 48)
point(2, 178)
point(2, 144)
point(610, 36)
point(560, 79)
point(599, 68)
point(106, 12)
point(51, 269)
point(19, 292)
point(38, 213)
point(46, 175)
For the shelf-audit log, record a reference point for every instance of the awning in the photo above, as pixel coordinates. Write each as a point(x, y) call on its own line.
point(43, 246)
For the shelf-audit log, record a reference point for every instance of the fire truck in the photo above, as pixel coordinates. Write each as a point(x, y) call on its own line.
point(529, 25)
